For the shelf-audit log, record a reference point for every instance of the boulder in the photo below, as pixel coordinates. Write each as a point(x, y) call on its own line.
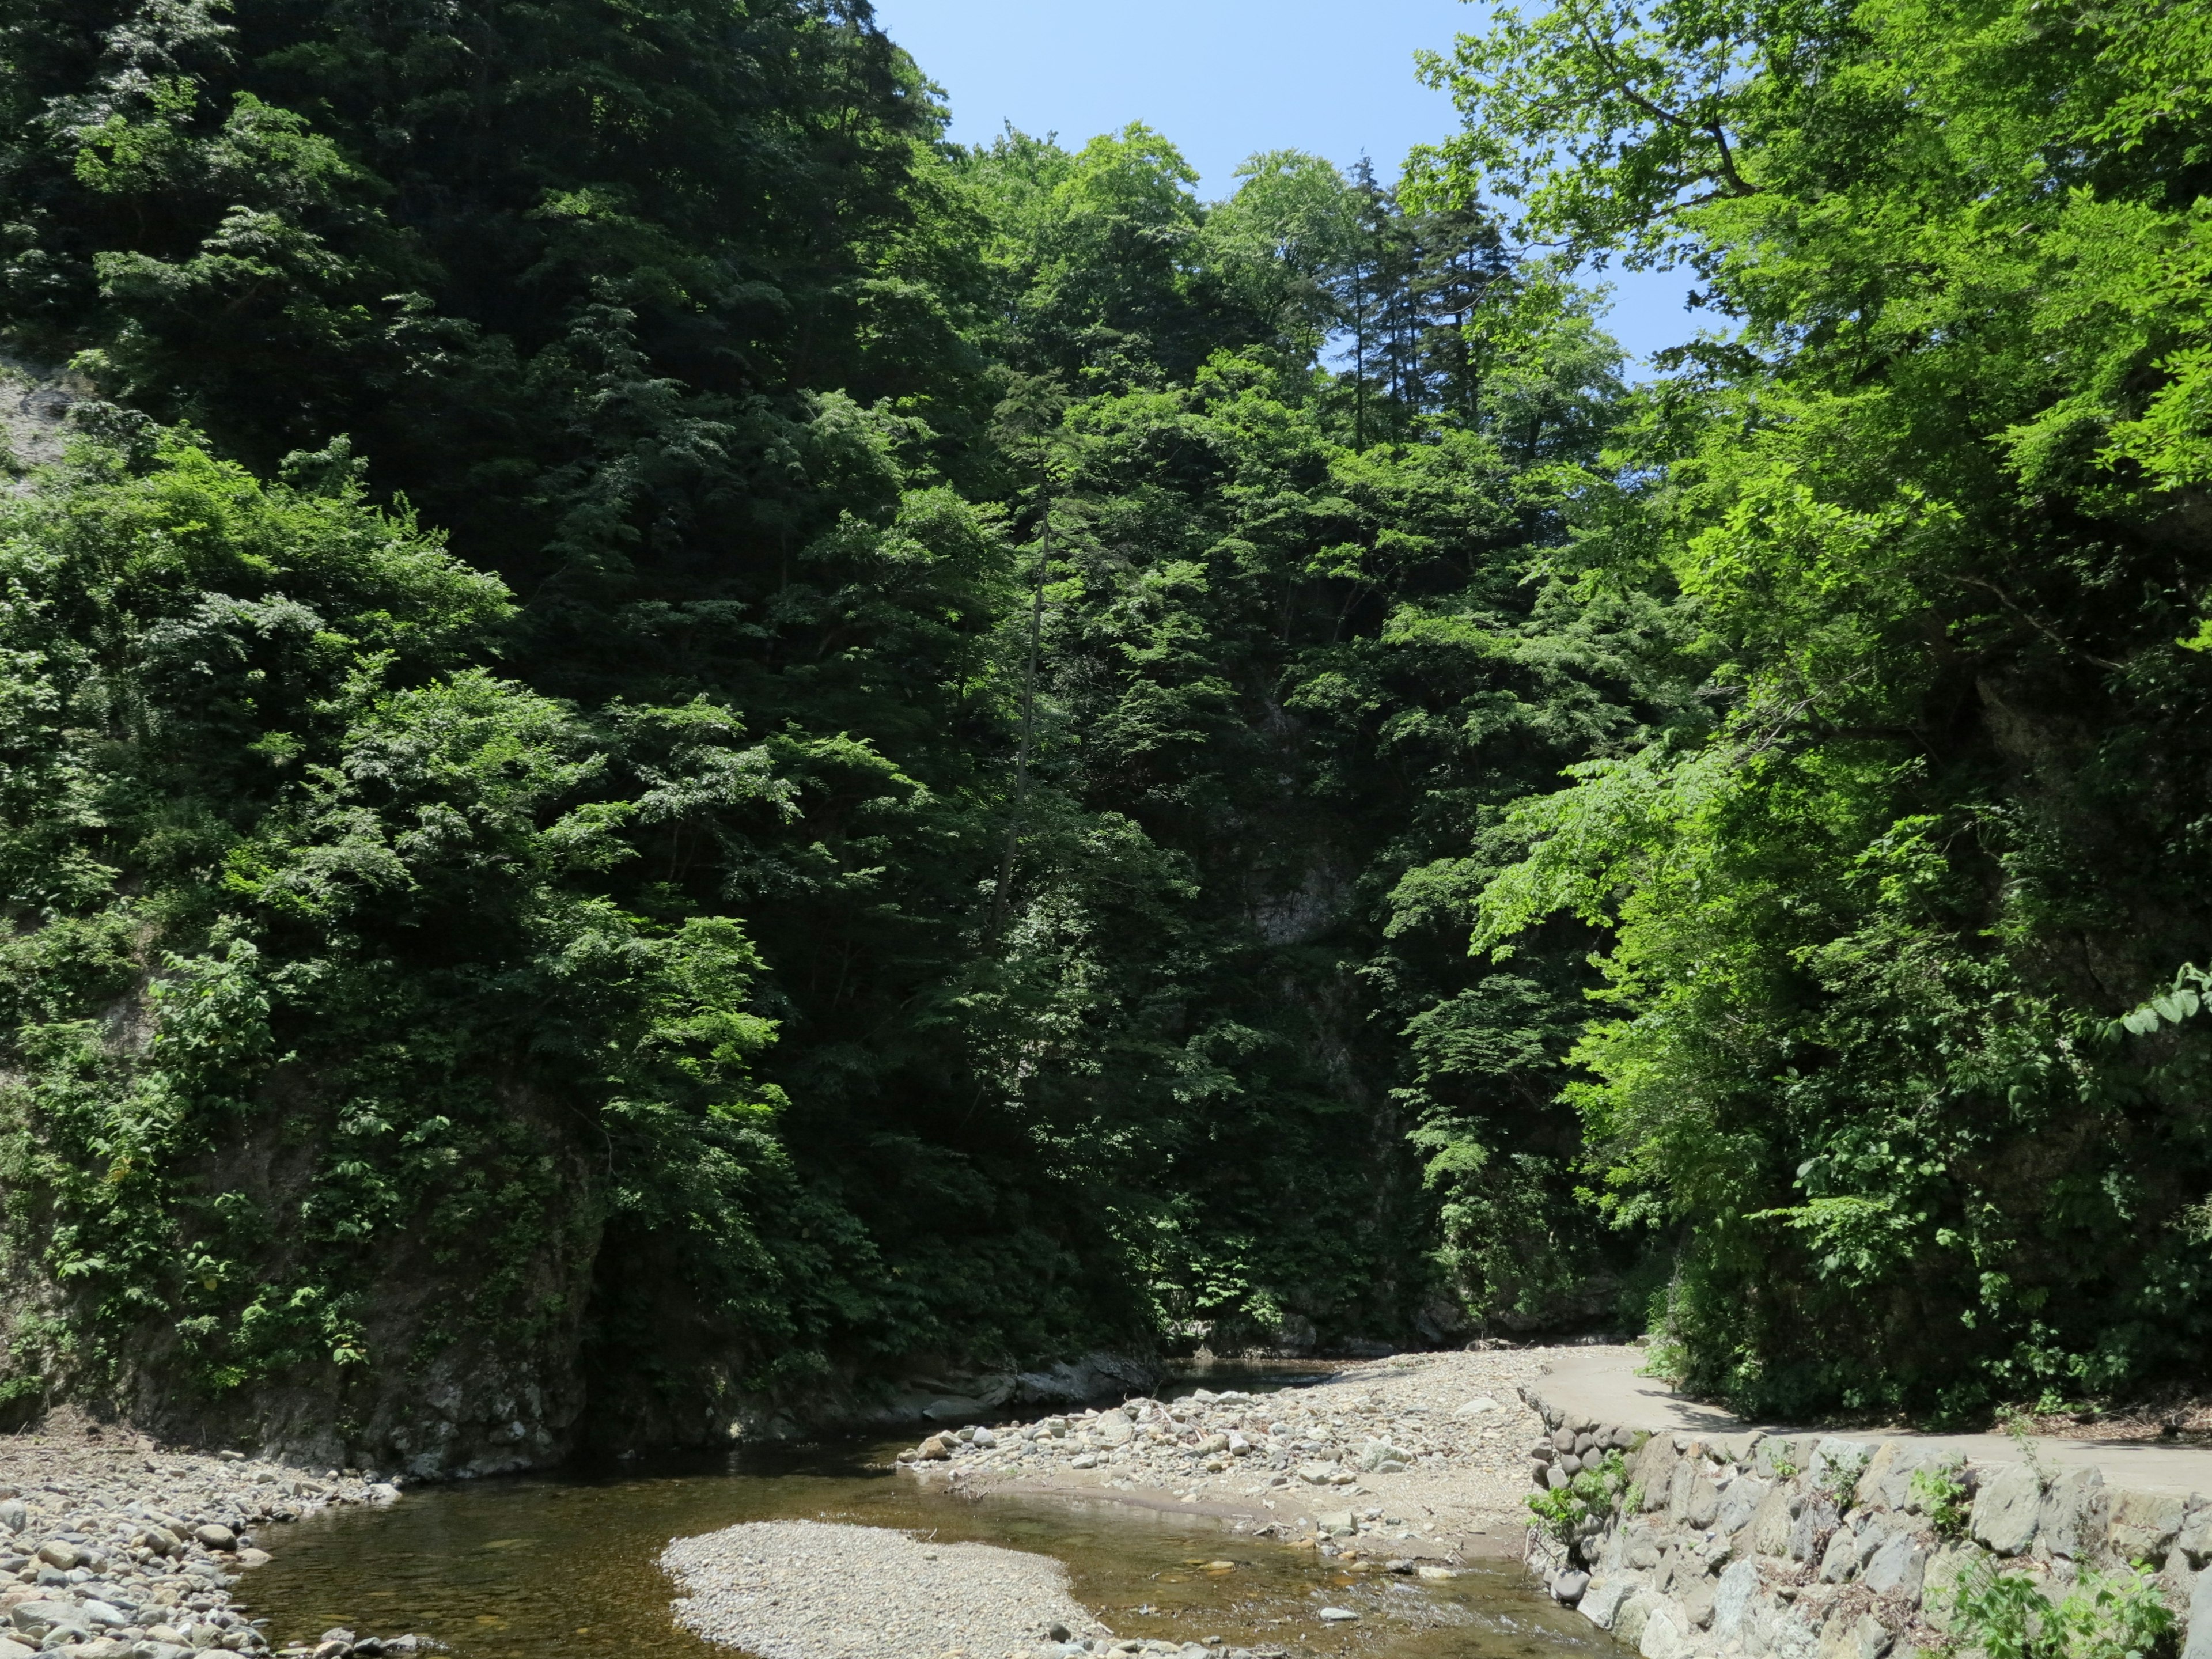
point(2075, 1515)
point(1601, 1599)
point(2196, 1539)
point(2144, 1526)
point(2005, 1511)
point(2198, 1644)
point(1897, 1568)
point(1666, 1633)
point(1739, 1502)
point(1732, 1600)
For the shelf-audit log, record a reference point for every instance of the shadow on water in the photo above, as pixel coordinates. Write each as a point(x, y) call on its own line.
point(566, 1566)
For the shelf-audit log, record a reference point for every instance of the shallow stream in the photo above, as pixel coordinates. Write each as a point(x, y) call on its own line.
point(566, 1566)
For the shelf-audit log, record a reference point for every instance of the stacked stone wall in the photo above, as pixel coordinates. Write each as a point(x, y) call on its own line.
point(1749, 1545)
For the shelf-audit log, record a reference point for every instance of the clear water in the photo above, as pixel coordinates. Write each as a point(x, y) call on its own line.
point(566, 1566)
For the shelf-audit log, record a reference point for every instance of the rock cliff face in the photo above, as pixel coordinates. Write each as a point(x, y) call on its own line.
point(1823, 1547)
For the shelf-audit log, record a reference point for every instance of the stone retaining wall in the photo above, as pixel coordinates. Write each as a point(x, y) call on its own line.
point(1753, 1545)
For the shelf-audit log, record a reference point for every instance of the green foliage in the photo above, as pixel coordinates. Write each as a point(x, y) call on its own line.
point(1940, 1495)
point(2008, 1615)
point(1561, 1511)
point(1867, 1045)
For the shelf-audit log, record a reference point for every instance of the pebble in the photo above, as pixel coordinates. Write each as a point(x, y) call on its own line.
point(1432, 1444)
point(111, 1548)
point(811, 1589)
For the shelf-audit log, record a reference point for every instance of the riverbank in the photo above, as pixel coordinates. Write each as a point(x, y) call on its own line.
point(112, 1548)
point(1418, 1459)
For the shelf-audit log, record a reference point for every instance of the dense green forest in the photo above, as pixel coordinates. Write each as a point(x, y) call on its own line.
point(674, 748)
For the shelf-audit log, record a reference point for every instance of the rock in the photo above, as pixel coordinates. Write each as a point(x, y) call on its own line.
point(2075, 1515)
point(1474, 1407)
point(216, 1538)
point(102, 1615)
point(1732, 1600)
point(252, 1557)
point(1315, 1474)
point(1083, 1461)
point(2196, 1539)
point(1429, 1570)
point(36, 1618)
point(1666, 1633)
point(1568, 1587)
point(2199, 1643)
point(1338, 1615)
point(1337, 1523)
point(58, 1555)
point(1739, 1502)
point(951, 1408)
point(1699, 1601)
point(1940, 1579)
point(1633, 1613)
point(1840, 1557)
point(2005, 1511)
point(1653, 1470)
point(13, 1515)
point(935, 1450)
point(11, 1649)
point(1115, 1429)
point(1898, 1568)
point(1601, 1600)
point(2145, 1525)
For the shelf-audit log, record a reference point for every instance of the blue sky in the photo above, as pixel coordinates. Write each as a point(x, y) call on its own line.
point(1221, 78)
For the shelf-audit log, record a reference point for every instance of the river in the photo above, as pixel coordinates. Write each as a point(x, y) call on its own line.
point(564, 1566)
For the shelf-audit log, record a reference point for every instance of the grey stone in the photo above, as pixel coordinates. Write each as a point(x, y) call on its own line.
point(1698, 1600)
point(1554, 1477)
point(1115, 1429)
point(2198, 1645)
point(1776, 1451)
point(1602, 1600)
point(1337, 1523)
point(1733, 1598)
point(1704, 1506)
point(1569, 1587)
point(1643, 1546)
point(1898, 1568)
point(1740, 1501)
point(2075, 1515)
point(1874, 1639)
point(1832, 1457)
point(1666, 1633)
point(1939, 1580)
point(1635, 1611)
point(1794, 1637)
point(1737, 1447)
point(13, 1515)
point(36, 1618)
point(1809, 1529)
point(1652, 1471)
point(1769, 1531)
point(2005, 1511)
point(1840, 1558)
point(2196, 1529)
point(2145, 1525)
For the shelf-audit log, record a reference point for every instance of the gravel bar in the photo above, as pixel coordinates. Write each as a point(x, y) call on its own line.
point(111, 1548)
point(811, 1589)
point(1419, 1456)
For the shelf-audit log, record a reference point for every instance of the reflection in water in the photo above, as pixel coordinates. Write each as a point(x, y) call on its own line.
point(566, 1566)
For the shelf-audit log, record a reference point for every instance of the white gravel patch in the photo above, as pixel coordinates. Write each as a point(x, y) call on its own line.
point(811, 1589)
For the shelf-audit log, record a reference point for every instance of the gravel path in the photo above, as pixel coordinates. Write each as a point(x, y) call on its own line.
point(112, 1549)
point(1419, 1456)
point(809, 1590)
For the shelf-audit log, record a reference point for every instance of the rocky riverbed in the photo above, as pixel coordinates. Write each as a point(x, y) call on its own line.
point(1418, 1457)
point(111, 1548)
